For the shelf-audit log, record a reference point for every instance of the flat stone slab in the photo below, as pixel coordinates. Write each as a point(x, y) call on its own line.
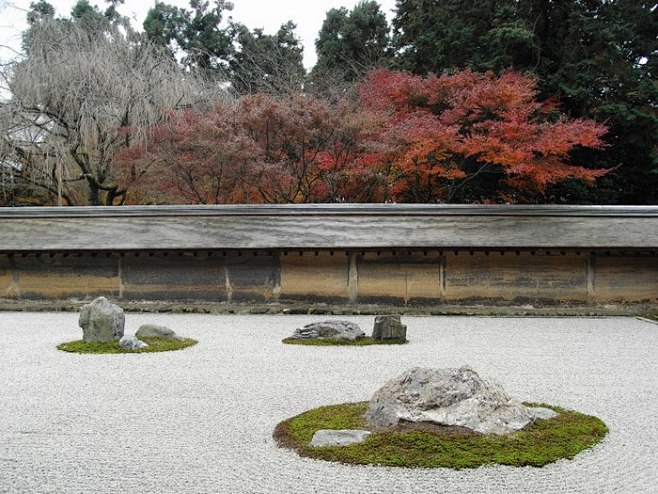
point(343, 437)
point(543, 413)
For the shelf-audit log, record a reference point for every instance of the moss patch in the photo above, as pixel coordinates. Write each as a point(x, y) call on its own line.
point(329, 342)
point(155, 345)
point(412, 445)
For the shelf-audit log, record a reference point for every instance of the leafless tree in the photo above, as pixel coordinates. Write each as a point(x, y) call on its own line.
point(77, 98)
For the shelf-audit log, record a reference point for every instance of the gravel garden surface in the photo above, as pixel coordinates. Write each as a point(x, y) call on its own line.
point(200, 420)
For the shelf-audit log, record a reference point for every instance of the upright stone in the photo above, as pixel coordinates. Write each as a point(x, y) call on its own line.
point(101, 321)
point(389, 328)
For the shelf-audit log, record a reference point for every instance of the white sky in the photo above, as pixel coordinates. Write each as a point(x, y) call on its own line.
point(266, 14)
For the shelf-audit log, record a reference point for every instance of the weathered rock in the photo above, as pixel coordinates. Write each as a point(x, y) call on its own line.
point(344, 437)
point(156, 331)
point(543, 413)
point(388, 328)
point(447, 397)
point(131, 343)
point(336, 330)
point(101, 321)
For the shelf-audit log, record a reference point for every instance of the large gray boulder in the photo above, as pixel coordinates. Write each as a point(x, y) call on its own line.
point(101, 321)
point(156, 331)
point(335, 330)
point(389, 328)
point(452, 397)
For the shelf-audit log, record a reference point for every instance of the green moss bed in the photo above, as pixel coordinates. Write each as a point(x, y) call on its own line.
point(358, 342)
point(430, 446)
point(155, 345)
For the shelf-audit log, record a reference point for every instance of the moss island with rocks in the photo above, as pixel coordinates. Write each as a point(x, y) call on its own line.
point(388, 330)
point(429, 446)
point(112, 347)
point(448, 418)
point(102, 326)
point(365, 341)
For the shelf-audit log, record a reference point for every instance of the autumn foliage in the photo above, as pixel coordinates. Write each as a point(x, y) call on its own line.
point(447, 131)
point(463, 136)
point(257, 149)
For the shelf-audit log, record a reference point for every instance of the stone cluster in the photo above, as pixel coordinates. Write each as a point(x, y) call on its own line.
point(385, 328)
point(445, 397)
point(103, 321)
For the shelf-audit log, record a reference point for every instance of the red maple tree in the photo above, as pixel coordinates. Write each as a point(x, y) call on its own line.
point(459, 137)
point(258, 149)
point(197, 158)
point(445, 132)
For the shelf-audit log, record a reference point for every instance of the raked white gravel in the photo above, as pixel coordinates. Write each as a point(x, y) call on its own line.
point(201, 420)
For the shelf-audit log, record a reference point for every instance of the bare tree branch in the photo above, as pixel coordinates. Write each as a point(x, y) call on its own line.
point(77, 99)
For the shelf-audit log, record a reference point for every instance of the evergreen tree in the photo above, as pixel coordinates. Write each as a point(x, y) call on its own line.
point(439, 35)
point(39, 12)
point(206, 44)
point(352, 42)
point(89, 18)
point(265, 63)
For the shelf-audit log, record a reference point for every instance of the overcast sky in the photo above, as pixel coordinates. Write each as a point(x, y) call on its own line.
point(266, 14)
